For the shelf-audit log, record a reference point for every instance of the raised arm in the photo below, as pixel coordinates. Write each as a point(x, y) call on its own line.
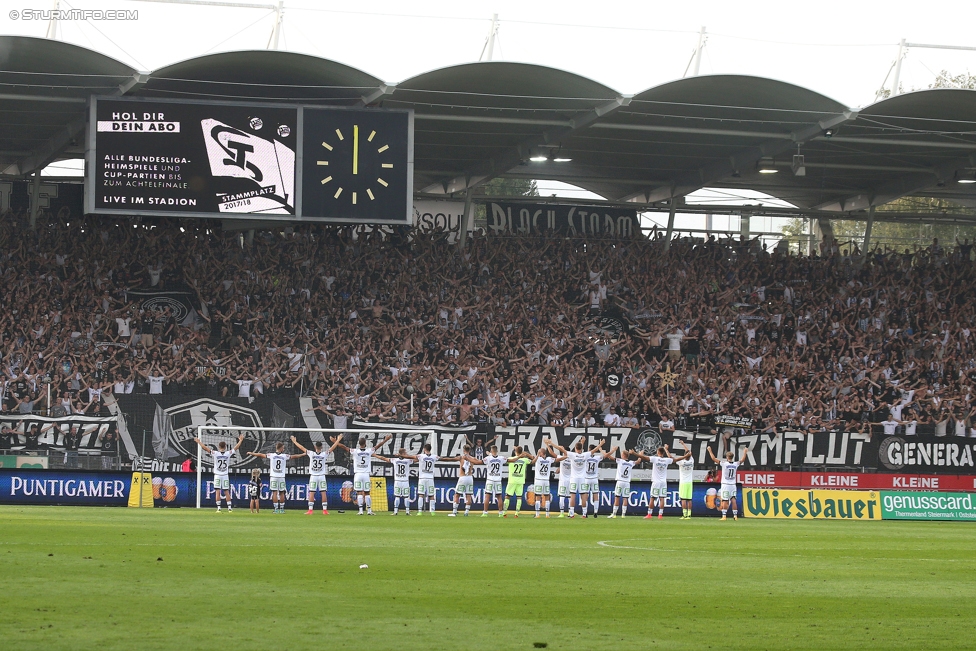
point(712, 454)
point(299, 445)
point(257, 454)
point(206, 448)
point(337, 441)
point(240, 439)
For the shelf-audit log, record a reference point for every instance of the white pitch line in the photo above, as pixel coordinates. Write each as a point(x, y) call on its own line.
point(608, 544)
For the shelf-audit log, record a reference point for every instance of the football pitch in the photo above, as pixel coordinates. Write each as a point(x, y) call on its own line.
point(114, 578)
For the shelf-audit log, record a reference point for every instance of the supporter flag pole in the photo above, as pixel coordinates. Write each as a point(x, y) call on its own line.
point(199, 467)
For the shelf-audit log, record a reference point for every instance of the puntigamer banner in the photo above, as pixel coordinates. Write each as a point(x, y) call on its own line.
point(897, 505)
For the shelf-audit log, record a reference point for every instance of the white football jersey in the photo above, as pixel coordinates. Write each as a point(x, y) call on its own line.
point(624, 468)
point(729, 470)
point(565, 468)
point(543, 469)
point(659, 468)
point(278, 463)
point(686, 471)
point(316, 463)
point(362, 460)
point(592, 465)
point(494, 464)
point(401, 469)
point(465, 468)
point(221, 462)
point(578, 459)
point(427, 462)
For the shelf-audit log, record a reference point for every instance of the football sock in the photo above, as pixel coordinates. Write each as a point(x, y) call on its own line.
point(623, 508)
point(562, 504)
point(538, 506)
point(548, 504)
point(311, 505)
point(396, 505)
point(614, 510)
point(359, 501)
point(369, 502)
point(518, 504)
point(723, 511)
point(431, 500)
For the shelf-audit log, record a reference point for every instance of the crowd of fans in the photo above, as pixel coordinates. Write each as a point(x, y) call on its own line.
point(401, 325)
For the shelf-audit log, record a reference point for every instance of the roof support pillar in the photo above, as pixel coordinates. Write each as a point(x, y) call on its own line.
point(670, 231)
point(466, 219)
point(867, 231)
point(35, 198)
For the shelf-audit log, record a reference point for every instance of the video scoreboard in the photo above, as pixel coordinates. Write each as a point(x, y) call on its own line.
point(163, 157)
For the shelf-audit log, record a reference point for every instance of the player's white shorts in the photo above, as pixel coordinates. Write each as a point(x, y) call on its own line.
point(401, 489)
point(590, 485)
point(360, 482)
point(576, 486)
point(622, 489)
point(317, 483)
point(541, 489)
point(465, 485)
point(425, 486)
point(221, 483)
point(493, 487)
point(727, 492)
point(659, 489)
point(563, 489)
point(278, 484)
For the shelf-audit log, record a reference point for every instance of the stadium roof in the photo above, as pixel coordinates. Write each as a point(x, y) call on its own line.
point(482, 120)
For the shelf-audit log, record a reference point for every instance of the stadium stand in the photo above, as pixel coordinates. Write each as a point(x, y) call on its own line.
point(508, 329)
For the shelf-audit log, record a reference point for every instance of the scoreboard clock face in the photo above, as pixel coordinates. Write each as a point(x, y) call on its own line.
point(357, 165)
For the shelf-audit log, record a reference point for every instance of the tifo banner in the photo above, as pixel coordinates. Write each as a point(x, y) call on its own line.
point(811, 505)
point(898, 505)
point(63, 199)
point(432, 216)
point(27, 432)
point(182, 302)
point(926, 453)
point(515, 218)
point(864, 481)
point(160, 428)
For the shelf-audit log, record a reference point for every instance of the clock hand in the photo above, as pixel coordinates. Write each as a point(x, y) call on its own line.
point(355, 149)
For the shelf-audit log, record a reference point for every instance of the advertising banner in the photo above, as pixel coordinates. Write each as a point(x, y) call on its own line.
point(899, 505)
point(23, 486)
point(175, 489)
point(520, 218)
point(810, 505)
point(161, 157)
point(863, 481)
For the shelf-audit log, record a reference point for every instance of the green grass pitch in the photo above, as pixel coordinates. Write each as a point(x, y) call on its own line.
point(101, 578)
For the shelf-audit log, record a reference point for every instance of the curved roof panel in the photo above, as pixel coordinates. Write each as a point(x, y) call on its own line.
point(45, 86)
point(480, 120)
point(261, 75)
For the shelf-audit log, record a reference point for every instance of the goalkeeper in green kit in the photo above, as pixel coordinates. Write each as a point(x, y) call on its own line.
point(517, 467)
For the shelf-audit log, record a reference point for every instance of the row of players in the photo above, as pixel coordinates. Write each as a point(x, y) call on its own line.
point(577, 476)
